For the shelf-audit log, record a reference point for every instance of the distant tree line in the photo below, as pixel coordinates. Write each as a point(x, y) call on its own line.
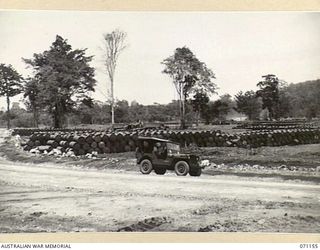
point(295, 100)
point(276, 99)
point(100, 113)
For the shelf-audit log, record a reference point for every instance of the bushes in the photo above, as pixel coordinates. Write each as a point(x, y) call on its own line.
point(24, 120)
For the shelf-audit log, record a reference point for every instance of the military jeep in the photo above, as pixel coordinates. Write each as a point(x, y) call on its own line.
point(161, 155)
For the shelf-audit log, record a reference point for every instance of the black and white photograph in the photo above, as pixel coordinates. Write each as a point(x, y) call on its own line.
point(149, 121)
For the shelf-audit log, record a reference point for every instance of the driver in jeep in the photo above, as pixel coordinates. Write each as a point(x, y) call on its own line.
point(160, 150)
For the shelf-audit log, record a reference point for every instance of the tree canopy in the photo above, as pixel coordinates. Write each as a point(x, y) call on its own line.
point(249, 104)
point(64, 78)
point(199, 103)
point(32, 100)
point(10, 85)
point(269, 92)
point(189, 75)
point(301, 99)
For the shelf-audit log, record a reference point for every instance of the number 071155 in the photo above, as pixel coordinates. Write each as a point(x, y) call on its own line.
point(309, 246)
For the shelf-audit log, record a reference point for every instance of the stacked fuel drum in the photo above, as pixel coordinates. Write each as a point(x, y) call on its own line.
point(104, 142)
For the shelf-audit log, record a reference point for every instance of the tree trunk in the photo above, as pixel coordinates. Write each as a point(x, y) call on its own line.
point(56, 120)
point(35, 118)
point(112, 114)
point(182, 107)
point(112, 103)
point(183, 122)
point(8, 112)
point(180, 113)
point(198, 116)
point(58, 117)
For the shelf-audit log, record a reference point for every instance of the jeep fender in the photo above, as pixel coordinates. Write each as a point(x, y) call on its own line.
point(180, 159)
point(142, 158)
point(187, 161)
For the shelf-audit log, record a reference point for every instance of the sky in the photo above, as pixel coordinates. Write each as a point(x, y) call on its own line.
point(239, 47)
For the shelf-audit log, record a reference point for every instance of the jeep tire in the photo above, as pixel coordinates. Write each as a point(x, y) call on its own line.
point(195, 172)
point(146, 166)
point(181, 168)
point(160, 171)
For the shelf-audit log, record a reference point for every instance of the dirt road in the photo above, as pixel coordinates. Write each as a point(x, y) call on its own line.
point(50, 198)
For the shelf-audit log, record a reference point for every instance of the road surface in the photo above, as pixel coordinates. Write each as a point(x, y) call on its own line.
point(52, 198)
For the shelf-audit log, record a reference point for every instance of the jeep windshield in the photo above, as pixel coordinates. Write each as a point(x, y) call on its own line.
point(173, 148)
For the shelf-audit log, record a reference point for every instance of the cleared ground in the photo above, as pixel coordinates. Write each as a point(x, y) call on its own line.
point(49, 197)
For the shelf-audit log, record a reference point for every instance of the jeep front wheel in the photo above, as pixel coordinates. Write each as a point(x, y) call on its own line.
point(146, 166)
point(181, 168)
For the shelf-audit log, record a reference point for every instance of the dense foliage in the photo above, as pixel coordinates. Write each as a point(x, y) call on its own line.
point(189, 75)
point(269, 92)
point(302, 99)
point(63, 78)
point(10, 85)
point(249, 104)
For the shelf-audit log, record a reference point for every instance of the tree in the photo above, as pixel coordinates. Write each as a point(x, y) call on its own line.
point(64, 78)
point(136, 112)
point(188, 75)
point(114, 44)
point(223, 106)
point(31, 92)
point(249, 104)
point(219, 109)
point(10, 85)
point(199, 103)
point(20, 117)
point(122, 111)
point(304, 99)
point(285, 99)
point(269, 92)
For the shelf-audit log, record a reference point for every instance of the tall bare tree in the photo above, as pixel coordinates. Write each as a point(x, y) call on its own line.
point(114, 44)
